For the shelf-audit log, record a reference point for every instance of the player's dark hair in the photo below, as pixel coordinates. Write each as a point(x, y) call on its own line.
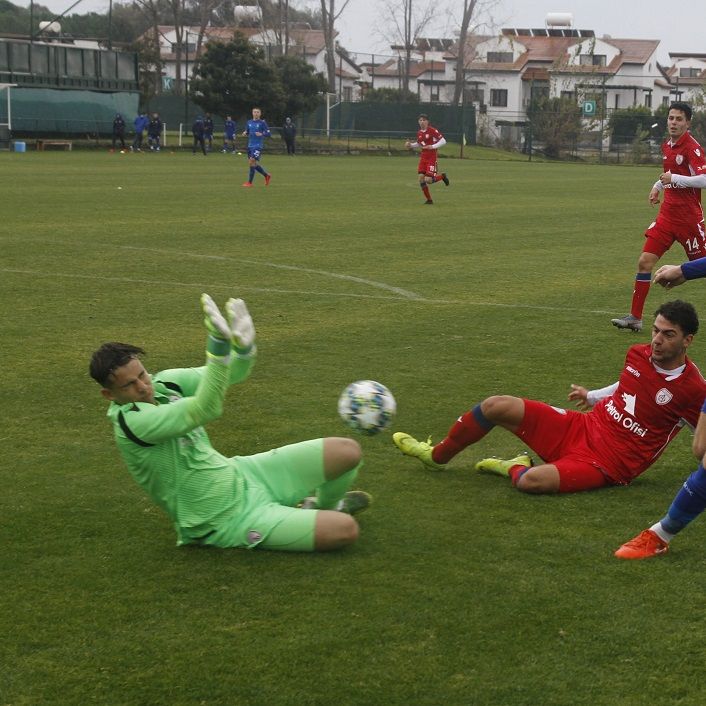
point(423, 115)
point(684, 107)
point(682, 314)
point(109, 357)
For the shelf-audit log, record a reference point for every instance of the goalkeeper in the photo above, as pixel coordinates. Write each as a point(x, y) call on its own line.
point(244, 501)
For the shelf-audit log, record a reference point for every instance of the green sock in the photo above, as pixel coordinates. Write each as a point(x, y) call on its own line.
point(330, 492)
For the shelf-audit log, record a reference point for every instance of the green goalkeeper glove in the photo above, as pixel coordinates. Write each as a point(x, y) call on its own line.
point(219, 333)
point(241, 325)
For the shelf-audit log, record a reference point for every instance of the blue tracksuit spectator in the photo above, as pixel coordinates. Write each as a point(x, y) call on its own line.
point(140, 123)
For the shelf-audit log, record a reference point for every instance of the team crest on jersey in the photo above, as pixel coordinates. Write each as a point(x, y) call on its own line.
point(663, 396)
point(697, 153)
point(680, 158)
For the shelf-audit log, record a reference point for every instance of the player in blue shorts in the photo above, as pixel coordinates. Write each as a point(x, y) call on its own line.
point(256, 131)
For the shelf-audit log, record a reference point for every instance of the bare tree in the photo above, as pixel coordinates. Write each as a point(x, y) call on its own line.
point(407, 20)
point(153, 10)
point(468, 26)
point(329, 15)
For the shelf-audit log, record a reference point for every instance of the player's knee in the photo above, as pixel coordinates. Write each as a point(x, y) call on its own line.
point(646, 262)
point(341, 455)
point(497, 407)
point(538, 481)
point(339, 530)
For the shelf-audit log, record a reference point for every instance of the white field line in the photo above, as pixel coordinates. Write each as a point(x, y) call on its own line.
point(229, 287)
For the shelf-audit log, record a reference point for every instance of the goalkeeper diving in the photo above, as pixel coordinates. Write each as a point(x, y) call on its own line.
point(244, 501)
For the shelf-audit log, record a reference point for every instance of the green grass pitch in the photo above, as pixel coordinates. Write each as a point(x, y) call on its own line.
point(461, 590)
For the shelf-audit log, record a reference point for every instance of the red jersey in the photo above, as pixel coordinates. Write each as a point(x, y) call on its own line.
point(629, 430)
point(430, 136)
point(685, 156)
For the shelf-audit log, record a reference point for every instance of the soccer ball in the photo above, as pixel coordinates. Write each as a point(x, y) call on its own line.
point(367, 406)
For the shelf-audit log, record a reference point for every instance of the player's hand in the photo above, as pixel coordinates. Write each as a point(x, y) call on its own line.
point(669, 276)
point(654, 196)
point(241, 325)
point(214, 321)
point(408, 145)
point(666, 178)
point(580, 396)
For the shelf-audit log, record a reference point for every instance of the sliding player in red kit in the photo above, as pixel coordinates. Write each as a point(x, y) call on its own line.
point(429, 141)
point(629, 425)
point(680, 217)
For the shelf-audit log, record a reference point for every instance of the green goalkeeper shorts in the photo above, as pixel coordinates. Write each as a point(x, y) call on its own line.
point(275, 481)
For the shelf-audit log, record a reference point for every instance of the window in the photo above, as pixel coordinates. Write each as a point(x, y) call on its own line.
point(498, 97)
point(666, 100)
point(348, 93)
point(689, 73)
point(474, 95)
point(500, 57)
point(592, 59)
point(648, 100)
point(188, 48)
point(434, 93)
point(568, 95)
point(539, 92)
point(617, 101)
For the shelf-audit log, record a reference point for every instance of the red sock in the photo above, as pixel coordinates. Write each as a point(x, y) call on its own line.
point(425, 189)
point(465, 431)
point(639, 294)
point(516, 472)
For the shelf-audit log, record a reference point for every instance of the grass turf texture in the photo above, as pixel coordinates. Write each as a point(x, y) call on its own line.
point(461, 590)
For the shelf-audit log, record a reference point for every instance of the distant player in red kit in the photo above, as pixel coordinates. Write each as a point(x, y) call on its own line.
point(629, 426)
point(429, 141)
point(680, 216)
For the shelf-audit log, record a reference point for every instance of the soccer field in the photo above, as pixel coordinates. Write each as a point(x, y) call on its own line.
point(461, 590)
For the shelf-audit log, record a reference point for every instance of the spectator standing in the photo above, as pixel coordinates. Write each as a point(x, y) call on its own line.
point(154, 130)
point(229, 128)
point(289, 134)
point(197, 130)
point(119, 131)
point(208, 130)
point(140, 123)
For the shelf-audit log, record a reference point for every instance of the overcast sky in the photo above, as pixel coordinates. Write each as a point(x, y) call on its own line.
point(361, 27)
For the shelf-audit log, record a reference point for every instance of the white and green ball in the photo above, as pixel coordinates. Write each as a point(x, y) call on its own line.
point(367, 407)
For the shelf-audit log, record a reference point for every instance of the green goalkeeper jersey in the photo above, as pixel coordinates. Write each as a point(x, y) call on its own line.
point(169, 454)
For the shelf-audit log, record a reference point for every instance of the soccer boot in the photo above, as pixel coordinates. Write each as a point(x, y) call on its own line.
point(409, 446)
point(353, 502)
point(268, 179)
point(501, 467)
point(428, 202)
point(628, 321)
point(247, 184)
point(445, 179)
point(645, 545)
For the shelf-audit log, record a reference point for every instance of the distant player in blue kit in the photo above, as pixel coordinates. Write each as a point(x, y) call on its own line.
point(229, 135)
point(256, 131)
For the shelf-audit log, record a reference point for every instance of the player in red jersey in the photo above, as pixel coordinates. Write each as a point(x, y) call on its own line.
point(680, 216)
point(629, 426)
point(429, 141)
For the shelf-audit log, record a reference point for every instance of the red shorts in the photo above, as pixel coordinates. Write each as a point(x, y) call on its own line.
point(559, 437)
point(427, 165)
point(662, 233)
